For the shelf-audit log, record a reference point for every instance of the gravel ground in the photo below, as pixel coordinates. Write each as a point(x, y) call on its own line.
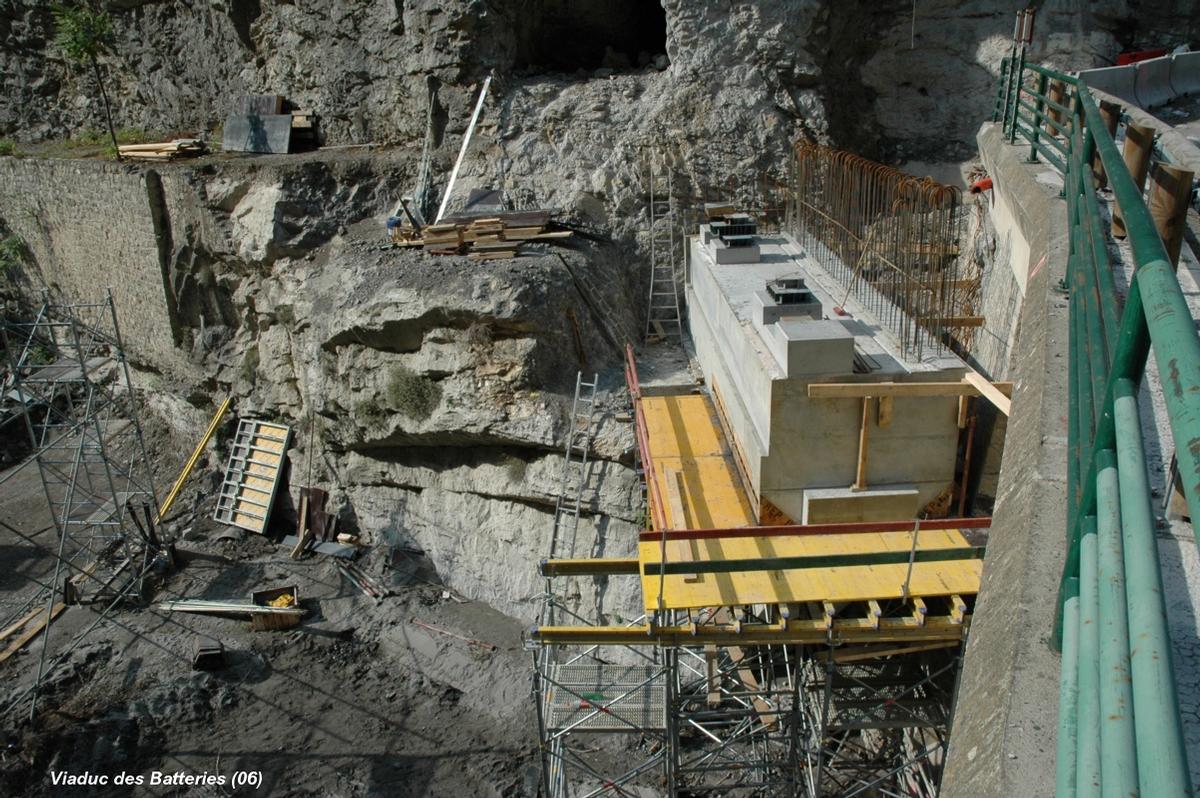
point(357, 701)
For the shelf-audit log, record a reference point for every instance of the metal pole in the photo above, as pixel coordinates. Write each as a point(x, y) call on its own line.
point(1162, 756)
point(463, 149)
point(1087, 754)
point(1169, 195)
point(1139, 142)
point(1118, 749)
point(1068, 698)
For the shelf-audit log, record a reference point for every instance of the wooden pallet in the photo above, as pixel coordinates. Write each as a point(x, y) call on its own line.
point(252, 475)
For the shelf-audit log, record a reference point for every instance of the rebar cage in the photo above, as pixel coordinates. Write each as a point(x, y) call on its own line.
point(893, 240)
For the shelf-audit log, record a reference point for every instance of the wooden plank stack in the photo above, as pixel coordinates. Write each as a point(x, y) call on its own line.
point(497, 237)
point(442, 239)
point(164, 151)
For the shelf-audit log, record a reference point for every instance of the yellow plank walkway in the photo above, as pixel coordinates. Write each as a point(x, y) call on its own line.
point(699, 486)
point(852, 583)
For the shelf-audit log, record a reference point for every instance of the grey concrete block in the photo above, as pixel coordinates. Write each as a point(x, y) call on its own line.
point(724, 254)
point(769, 312)
point(844, 505)
point(807, 348)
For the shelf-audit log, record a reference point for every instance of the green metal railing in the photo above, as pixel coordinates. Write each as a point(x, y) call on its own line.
point(1119, 729)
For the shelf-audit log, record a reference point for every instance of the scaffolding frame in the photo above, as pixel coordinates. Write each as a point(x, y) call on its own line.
point(68, 382)
point(810, 700)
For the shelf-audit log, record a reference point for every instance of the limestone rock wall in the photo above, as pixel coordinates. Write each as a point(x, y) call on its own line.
point(876, 76)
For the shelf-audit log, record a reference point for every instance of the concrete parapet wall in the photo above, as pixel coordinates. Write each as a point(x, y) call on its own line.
point(1150, 83)
point(1005, 720)
point(89, 227)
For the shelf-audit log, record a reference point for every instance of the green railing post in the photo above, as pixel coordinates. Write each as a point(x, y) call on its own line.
point(1040, 105)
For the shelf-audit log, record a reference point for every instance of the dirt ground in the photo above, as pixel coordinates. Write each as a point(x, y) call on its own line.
point(358, 700)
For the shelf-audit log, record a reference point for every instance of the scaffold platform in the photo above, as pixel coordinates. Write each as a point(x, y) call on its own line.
point(860, 582)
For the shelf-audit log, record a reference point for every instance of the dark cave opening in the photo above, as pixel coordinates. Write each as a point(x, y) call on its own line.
point(569, 35)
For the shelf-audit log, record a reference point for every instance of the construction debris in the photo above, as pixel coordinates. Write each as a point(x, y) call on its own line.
point(226, 608)
point(275, 608)
point(164, 151)
point(208, 655)
point(369, 585)
point(448, 633)
point(275, 598)
point(39, 621)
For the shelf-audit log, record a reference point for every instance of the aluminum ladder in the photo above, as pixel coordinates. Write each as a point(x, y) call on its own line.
point(575, 466)
point(664, 318)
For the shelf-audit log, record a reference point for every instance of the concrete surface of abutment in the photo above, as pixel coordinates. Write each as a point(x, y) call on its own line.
point(1004, 723)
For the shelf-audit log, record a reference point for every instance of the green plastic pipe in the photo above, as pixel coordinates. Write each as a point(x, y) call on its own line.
point(1068, 698)
point(1162, 755)
point(1118, 748)
point(1087, 748)
point(1162, 310)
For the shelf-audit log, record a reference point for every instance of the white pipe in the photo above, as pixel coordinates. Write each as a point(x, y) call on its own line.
point(463, 150)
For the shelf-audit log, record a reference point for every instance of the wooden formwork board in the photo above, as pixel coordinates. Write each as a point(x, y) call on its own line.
point(252, 475)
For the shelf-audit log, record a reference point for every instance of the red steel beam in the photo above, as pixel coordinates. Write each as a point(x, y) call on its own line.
point(643, 438)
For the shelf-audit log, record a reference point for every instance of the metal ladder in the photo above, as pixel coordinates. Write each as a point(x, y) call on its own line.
point(663, 316)
point(575, 467)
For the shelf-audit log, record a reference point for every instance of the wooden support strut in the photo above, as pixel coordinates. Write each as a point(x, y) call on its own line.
point(858, 390)
point(808, 562)
point(864, 434)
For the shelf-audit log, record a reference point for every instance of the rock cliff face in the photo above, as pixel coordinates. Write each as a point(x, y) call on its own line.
point(893, 70)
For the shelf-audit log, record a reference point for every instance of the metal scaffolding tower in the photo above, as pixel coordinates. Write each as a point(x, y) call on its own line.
point(68, 384)
point(664, 316)
point(799, 697)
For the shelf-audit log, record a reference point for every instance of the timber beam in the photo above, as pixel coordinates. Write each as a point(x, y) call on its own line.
point(860, 390)
point(890, 630)
point(899, 557)
point(600, 566)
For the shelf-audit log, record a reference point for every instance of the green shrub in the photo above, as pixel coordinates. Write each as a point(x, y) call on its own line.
point(12, 253)
point(132, 135)
point(370, 414)
point(8, 147)
point(412, 394)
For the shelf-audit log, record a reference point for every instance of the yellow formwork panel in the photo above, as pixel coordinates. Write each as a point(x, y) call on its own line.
point(688, 448)
point(852, 583)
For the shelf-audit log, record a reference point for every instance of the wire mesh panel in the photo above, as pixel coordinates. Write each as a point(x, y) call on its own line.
point(611, 698)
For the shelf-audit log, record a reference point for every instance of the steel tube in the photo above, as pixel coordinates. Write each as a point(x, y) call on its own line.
point(1087, 751)
point(1118, 748)
point(1068, 698)
point(1155, 310)
point(1162, 756)
point(1139, 142)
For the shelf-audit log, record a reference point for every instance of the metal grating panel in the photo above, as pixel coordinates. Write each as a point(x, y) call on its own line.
point(574, 693)
point(252, 476)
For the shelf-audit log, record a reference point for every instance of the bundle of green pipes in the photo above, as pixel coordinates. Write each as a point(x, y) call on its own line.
point(1119, 728)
